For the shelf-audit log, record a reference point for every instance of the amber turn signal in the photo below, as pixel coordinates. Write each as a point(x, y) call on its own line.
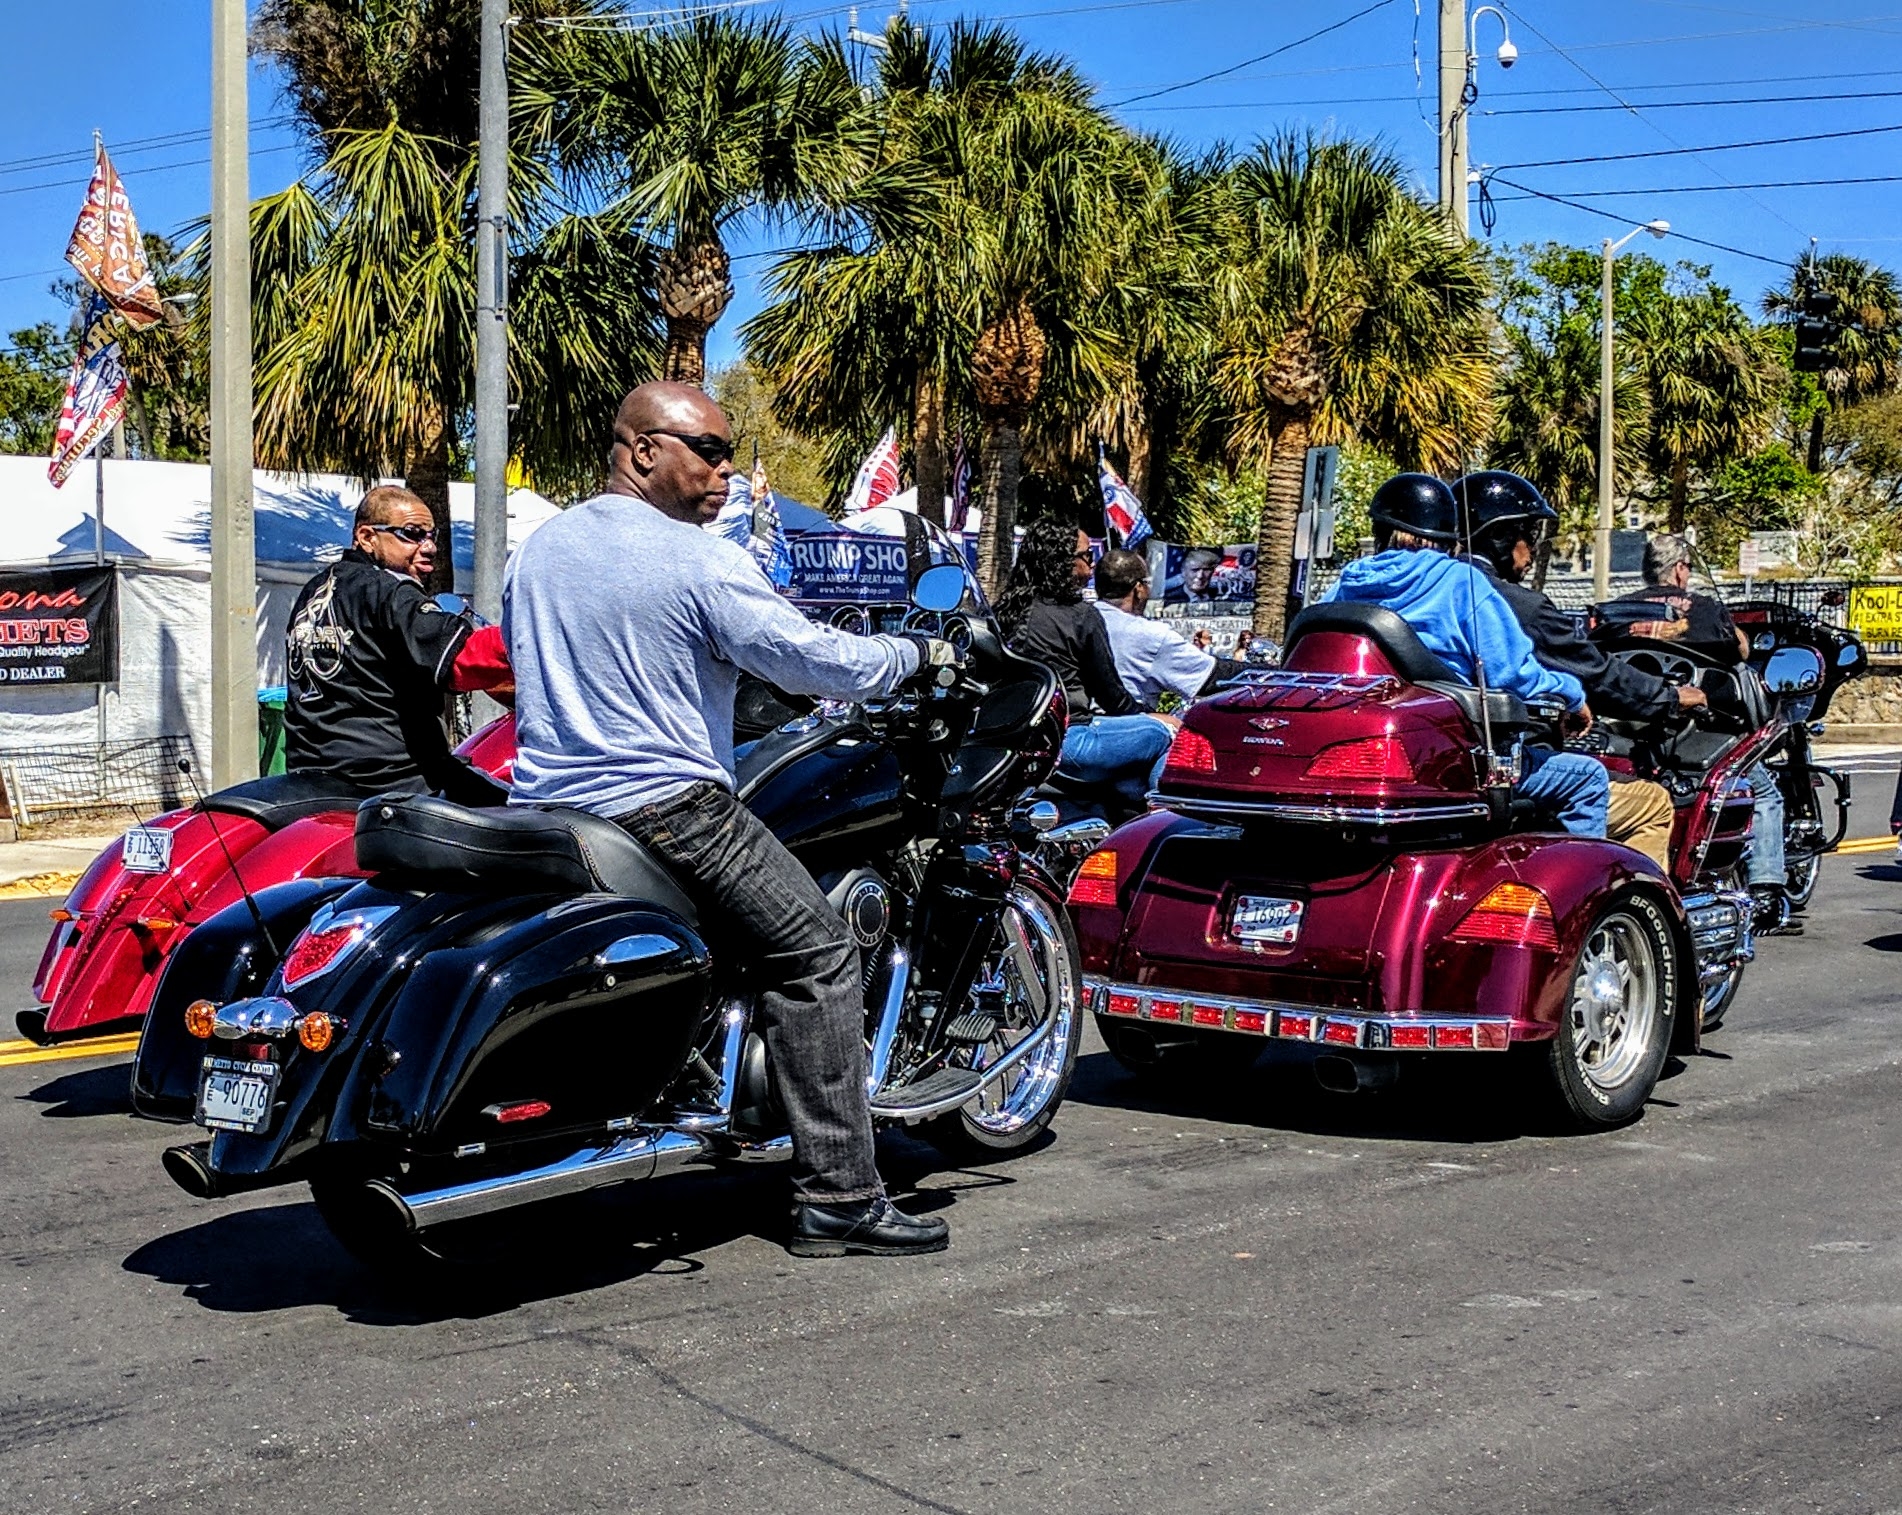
point(199, 1015)
point(316, 1030)
point(62, 915)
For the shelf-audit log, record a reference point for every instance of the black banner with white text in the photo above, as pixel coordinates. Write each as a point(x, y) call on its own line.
point(59, 626)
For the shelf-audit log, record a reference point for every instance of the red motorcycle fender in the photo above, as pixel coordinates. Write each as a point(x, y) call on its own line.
point(1431, 964)
point(106, 970)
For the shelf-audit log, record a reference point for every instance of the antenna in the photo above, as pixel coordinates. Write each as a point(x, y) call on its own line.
point(257, 915)
point(1463, 522)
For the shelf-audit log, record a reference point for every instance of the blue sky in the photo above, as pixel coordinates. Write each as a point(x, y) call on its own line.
point(1595, 78)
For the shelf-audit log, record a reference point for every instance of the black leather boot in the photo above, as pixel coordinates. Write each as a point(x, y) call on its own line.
point(872, 1227)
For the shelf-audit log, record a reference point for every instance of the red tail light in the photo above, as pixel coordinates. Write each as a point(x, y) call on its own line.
point(1515, 914)
point(1191, 752)
point(521, 1109)
point(1095, 882)
point(328, 941)
point(1374, 757)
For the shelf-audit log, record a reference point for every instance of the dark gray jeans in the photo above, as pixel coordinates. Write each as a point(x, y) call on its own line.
point(756, 899)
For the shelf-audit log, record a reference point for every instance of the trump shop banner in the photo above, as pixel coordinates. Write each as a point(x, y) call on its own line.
point(59, 626)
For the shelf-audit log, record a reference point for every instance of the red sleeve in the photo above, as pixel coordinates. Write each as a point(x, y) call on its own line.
point(483, 663)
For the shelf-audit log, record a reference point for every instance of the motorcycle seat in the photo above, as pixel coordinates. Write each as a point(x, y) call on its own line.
point(517, 849)
point(275, 802)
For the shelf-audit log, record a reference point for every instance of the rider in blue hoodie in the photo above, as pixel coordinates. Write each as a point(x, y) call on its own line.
point(1463, 621)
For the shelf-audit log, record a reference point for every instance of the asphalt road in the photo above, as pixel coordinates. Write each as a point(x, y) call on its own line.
point(1251, 1299)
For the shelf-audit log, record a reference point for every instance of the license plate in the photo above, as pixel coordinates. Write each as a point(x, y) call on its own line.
point(1266, 919)
point(235, 1095)
point(146, 849)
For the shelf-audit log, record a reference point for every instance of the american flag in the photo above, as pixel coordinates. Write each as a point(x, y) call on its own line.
point(768, 543)
point(95, 390)
point(960, 485)
point(1121, 508)
point(877, 479)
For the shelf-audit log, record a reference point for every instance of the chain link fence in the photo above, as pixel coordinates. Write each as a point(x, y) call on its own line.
point(136, 779)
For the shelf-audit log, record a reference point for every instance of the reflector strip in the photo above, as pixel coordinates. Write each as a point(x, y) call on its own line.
point(1301, 1023)
point(1341, 1033)
point(1124, 1004)
point(1207, 1015)
point(1165, 1010)
point(1453, 1036)
point(1409, 1036)
point(1252, 1020)
point(1297, 1026)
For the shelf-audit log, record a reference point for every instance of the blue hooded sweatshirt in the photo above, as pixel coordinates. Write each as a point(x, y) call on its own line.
point(1447, 602)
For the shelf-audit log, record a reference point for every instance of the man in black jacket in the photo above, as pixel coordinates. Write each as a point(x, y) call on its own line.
point(1507, 520)
point(369, 655)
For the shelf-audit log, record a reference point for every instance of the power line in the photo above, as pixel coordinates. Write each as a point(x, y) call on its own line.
point(1719, 189)
point(150, 168)
point(1593, 210)
point(1716, 172)
point(1531, 110)
point(127, 148)
point(1716, 147)
point(1273, 52)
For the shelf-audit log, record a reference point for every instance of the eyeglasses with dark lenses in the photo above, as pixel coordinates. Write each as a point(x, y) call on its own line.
point(411, 534)
point(710, 448)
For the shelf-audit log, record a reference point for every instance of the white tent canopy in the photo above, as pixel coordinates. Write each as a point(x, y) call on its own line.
point(158, 530)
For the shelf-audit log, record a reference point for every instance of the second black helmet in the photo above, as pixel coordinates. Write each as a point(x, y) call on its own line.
point(1501, 509)
point(1416, 503)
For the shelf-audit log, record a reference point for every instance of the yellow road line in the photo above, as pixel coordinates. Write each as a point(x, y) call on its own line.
point(1869, 844)
point(14, 1054)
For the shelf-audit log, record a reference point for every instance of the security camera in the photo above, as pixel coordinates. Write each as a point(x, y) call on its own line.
point(1508, 54)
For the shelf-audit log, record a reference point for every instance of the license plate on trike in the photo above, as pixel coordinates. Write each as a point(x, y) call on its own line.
point(235, 1094)
point(1266, 919)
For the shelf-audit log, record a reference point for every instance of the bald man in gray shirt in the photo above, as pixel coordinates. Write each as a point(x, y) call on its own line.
point(628, 627)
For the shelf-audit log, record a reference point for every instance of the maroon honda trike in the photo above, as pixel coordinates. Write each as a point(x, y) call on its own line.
point(1340, 861)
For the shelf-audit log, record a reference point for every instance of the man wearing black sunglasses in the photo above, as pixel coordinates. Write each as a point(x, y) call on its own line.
point(628, 627)
point(369, 655)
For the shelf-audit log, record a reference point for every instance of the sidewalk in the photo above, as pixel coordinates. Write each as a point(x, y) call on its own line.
point(50, 867)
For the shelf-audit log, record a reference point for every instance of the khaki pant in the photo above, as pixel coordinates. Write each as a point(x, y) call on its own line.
point(1640, 817)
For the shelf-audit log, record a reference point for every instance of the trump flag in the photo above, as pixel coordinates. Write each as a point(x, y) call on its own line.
point(1121, 509)
point(877, 479)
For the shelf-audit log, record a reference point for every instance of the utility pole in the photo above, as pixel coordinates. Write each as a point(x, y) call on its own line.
point(234, 574)
point(1453, 111)
point(492, 335)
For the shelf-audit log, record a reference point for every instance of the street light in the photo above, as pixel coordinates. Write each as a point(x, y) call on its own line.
point(1601, 554)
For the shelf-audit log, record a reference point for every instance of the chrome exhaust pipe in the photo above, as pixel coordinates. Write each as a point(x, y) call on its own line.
point(1350, 1075)
point(189, 1166)
point(628, 1159)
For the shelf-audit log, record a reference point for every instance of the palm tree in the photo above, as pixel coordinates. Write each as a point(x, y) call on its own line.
point(1359, 315)
point(1548, 407)
point(980, 299)
point(363, 270)
point(694, 127)
point(1712, 381)
point(1869, 347)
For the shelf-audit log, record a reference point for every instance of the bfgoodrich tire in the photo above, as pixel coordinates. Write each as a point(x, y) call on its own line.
point(1616, 1024)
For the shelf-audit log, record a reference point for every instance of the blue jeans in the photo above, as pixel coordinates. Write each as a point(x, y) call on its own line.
point(1766, 830)
point(1572, 784)
point(1121, 752)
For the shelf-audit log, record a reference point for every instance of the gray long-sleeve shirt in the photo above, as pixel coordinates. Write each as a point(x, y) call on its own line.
point(628, 631)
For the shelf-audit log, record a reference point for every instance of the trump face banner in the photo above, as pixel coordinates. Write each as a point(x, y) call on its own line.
point(95, 390)
point(59, 626)
point(107, 250)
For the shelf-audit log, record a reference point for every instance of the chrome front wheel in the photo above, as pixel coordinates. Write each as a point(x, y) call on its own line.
point(1030, 977)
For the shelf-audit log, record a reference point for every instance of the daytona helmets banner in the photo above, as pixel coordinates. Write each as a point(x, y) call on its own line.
point(59, 626)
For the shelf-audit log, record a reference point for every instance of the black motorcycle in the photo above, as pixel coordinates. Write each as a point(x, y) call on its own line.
point(1804, 660)
point(521, 1003)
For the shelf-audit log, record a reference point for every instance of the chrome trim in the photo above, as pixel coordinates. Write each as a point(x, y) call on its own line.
point(1352, 815)
point(625, 1160)
point(1722, 932)
point(1286, 1021)
point(992, 1073)
point(269, 1016)
point(645, 947)
point(897, 983)
point(1041, 815)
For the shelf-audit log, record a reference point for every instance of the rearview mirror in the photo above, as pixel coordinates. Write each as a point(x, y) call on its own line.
point(1793, 670)
point(939, 589)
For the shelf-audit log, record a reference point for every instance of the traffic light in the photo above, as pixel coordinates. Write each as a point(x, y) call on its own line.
point(1816, 331)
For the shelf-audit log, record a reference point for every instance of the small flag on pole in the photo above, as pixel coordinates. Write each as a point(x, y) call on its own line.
point(960, 486)
point(107, 250)
point(1121, 509)
point(95, 390)
point(877, 479)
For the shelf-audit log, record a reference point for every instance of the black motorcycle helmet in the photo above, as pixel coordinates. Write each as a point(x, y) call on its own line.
point(1417, 503)
point(1501, 510)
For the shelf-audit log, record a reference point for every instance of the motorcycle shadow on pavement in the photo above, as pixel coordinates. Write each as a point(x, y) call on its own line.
point(267, 1257)
point(1463, 1104)
point(88, 1092)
